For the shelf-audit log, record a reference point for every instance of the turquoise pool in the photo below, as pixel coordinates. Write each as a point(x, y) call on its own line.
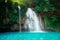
point(30, 36)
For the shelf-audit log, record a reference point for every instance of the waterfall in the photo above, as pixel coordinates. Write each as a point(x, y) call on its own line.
point(32, 23)
point(19, 18)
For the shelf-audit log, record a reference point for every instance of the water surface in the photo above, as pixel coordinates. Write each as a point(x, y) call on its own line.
point(30, 36)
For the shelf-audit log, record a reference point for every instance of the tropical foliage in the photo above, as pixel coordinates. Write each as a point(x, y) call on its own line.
point(46, 6)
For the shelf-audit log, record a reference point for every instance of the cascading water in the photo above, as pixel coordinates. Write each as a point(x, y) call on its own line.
point(19, 18)
point(32, 23)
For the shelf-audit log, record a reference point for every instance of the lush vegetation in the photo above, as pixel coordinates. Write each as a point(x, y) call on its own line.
point(47, 7)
